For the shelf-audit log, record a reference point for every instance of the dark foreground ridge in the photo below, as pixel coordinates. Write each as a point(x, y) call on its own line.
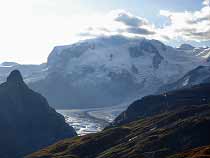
point(155, 104)
point(27, 122)
point(157, 131)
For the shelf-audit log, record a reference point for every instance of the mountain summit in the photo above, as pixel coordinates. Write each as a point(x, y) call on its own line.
point(15, 77)
point(27, 122)
point(113, 70)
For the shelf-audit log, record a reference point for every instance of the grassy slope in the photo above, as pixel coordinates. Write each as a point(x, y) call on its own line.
point(159, 136)
point(201, 152)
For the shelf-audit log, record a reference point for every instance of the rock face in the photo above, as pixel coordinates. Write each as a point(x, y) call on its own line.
point(112, 70)
point(27, 123)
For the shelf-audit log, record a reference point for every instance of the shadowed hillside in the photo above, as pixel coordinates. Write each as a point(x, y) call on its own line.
point(155, 104)
point(159, 136)
point(27, 123)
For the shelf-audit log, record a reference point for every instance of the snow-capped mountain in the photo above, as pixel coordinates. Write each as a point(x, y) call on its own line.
point(199, 75)
point(107, 71)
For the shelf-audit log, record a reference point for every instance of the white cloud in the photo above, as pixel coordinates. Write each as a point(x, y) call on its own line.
point(129, 19)
point(188, 25)
point(120, 22)
point(206, 2)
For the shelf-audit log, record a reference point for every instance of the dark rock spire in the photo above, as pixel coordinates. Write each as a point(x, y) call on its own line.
point(15, 77)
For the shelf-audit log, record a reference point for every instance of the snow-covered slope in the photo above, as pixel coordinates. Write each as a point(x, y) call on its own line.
point(203, 52)
point(197, 76)
point(111, 70)
point(108, 71)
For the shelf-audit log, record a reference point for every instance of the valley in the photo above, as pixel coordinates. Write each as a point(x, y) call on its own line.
point(149, 128)
point(105, 79)
point(91, 120)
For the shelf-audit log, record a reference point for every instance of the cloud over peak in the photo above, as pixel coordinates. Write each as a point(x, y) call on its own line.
point(121, 22)
point(186, 25)
point(129, 19)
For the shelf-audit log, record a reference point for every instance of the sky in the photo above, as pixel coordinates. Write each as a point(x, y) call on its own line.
point(29, 29)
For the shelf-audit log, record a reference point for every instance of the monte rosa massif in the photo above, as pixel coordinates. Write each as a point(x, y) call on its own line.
point(108, 71)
